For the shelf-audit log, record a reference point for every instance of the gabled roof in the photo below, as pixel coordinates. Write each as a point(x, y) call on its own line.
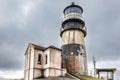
point(54, 48)
point(40, 47)
point(44, 48)
point(35, 46)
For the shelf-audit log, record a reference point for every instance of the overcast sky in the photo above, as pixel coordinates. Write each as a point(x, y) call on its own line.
point(39, 22)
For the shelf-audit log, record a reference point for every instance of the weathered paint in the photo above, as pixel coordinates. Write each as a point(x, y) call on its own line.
point(72, 48)
point(35, 70)
point(73, 45)
point(36, 53)
point(72, 64)
point(37, 66)
point(46, 52)
point(28, 72)
point(83, 64)
point(73, 36)
point(26, 75)
point(55, 59)
point(37, 73)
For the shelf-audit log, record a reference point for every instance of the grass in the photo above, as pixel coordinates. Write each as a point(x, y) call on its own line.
point(86, 77)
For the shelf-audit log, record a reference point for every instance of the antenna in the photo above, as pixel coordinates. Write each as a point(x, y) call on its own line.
point(94, 64)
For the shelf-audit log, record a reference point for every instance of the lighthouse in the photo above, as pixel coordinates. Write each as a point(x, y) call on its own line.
point(73, 32)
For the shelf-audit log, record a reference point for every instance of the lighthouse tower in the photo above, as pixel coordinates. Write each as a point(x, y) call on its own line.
point(73, 32)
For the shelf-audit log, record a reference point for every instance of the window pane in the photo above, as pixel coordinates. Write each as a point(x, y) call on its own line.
point(39, 59)
point(46, 59)
point(72, 9)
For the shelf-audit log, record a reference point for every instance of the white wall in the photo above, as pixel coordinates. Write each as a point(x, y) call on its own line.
point(73, 36)
point(33, 69)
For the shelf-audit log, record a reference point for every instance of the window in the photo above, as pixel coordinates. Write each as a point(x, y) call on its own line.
point(62, 65)
point(39, 59)
point(46, 59)
point(73, 9)
point(73, 24)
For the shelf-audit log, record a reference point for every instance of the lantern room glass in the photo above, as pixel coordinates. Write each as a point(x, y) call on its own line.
point(73, 10)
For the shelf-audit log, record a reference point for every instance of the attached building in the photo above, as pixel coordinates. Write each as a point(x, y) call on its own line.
point(42, 62)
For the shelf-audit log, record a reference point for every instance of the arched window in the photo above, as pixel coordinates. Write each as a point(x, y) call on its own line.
point(39, 59)
point(46, 57)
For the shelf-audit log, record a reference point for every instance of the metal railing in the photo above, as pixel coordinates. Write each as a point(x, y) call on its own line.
point(73, 15)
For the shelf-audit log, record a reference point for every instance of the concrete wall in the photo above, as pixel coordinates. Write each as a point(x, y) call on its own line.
point(36, 64)
point(74, 63)
point(53, 67)
point(55, 59)
point(26, 75)
point(26, 71)
point(83, 64)
point(37, 73)
point(47, 53)
point(29, 62)
point(73, 36)
point(46, 72)
point(54, 72)
point(35, 70)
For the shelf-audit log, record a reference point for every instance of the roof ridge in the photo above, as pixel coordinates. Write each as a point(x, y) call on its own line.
point(38, 46)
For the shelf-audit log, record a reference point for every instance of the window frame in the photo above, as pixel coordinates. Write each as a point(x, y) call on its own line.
point(39, 59)
point(46, 59)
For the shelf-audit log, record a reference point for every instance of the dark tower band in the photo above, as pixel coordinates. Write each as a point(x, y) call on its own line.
point(73, 32)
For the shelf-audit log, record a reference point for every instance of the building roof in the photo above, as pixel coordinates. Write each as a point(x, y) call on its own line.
point(35, 46)
point(41, 47)
point(44, 48)
point(38, 47)
point(53, 47)
point(105, 69)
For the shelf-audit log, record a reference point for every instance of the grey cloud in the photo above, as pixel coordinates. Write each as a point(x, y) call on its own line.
point(42, 26)
point(103, 30)
point(15, 39)
point(3, 79)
